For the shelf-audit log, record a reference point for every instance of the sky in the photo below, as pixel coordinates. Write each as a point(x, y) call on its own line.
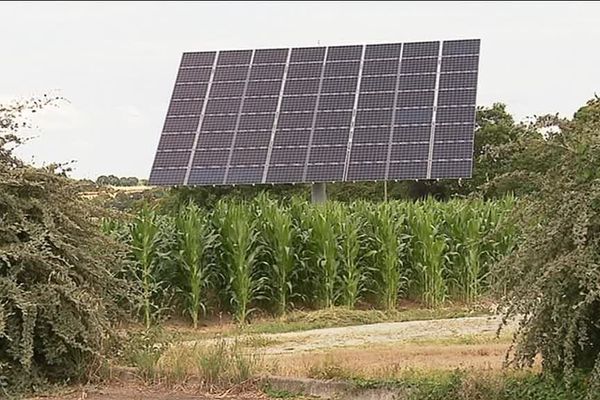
point(116, 62)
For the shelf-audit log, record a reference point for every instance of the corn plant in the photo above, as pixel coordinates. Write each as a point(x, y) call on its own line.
point(387, 246)
point(351, 228)
point(324, 243)
point(195, 236)
point(466, 250)
point(278, 236)
point(304, 280)
point(428, 253)
point(239, 239)
point(144, 233)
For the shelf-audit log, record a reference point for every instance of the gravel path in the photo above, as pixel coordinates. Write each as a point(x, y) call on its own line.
point(364, 335)
point(373, 334)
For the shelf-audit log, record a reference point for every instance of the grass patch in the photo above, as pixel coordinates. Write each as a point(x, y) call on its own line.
point(471, 385)
point(338, 317)
point(467, 384)
point(221, 364)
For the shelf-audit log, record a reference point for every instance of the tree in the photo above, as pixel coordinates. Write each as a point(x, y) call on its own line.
point(554, 275)
point(130, 181)
point(113, 180)
point(102, 180)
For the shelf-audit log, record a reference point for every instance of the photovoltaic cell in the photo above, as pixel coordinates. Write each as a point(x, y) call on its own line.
point(270, 56)
point(307, 54)
point(375, 51)
point(198, 59)
point(380, 67)
point(206, 176)
point(366, 171)
point(193, 75)
point(320, 114)
point(288, 155)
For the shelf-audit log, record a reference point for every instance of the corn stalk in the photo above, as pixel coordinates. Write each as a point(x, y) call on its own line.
point(429, 253)
point(351, 228)
point(144, 246)
point(278, 236)
point(195, 236)
point(239, 238)
point(388, 243)
point(324, 221)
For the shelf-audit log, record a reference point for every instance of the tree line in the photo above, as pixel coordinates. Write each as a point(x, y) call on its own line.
point(113, 180)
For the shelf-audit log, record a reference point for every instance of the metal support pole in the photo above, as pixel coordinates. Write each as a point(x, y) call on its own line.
point(319, 193)
point(385, 190)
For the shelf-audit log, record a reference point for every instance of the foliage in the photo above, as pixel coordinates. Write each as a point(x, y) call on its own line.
point(194, 237)
point(277, 234)
point(553, 277)
point(387, 242)
point(352, 272)
point(238, 236)
point(429, 253)
point(116, 181)
point(324, 249)
point(463, 385)
point(144, 243)
point(57, 284)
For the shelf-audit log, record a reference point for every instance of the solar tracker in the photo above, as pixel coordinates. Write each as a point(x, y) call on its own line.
point(372, 112)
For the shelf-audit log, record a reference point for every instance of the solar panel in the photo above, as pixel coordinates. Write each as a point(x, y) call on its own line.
point(321, 114)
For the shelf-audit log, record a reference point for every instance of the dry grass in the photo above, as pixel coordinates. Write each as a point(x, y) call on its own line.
point(386, 362)
point(484, 352)
point(209, 366)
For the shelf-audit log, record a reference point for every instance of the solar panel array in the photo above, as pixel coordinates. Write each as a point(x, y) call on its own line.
point(321, 114)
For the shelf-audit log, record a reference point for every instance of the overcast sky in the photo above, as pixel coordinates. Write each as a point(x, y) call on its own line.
point(117, 62)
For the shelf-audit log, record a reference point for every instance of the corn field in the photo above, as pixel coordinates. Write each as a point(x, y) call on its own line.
point(240, 257)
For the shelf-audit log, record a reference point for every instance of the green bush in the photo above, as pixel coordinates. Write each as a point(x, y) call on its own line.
point(554, 275)
point(56, 285)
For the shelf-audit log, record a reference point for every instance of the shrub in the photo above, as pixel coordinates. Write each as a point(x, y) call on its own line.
point(553, 277)
point(57, 288)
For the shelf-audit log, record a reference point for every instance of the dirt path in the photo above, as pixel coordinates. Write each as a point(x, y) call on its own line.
point(380, 334)
point(135, 392)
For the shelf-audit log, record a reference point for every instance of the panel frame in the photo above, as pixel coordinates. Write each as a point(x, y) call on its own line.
point(393, 122)
point(434, 113)
point(354, 112)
